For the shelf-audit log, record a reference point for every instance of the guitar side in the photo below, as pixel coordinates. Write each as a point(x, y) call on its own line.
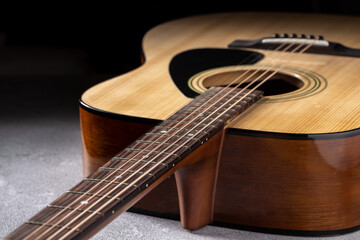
point(294, 185)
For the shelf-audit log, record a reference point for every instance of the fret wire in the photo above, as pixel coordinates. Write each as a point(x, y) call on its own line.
point(193, 128)
point(190, 110)
point(169, 135)
point(178, 117)
point(107, 185)
point(66, 198)
point(199, 105)
point(93, 194)
point(83, 186)
point(116, 190)
point(101, 176)
point(138, 160)
point(161, 127)
point(124, 170)
point(75, 193)
point(184, 140)
point(180, 124)
point(108, 181)
point(166, 139)
point(159, 158)
point(163, 143)
point(188, 131)
point(147, 155)
point(151, 151)
point(169, 141)
point(146, 144)
point(79, 210)
point(129, 169)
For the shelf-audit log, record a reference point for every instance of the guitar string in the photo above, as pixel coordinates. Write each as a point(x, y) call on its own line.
point(128, 161)
point(219, 115)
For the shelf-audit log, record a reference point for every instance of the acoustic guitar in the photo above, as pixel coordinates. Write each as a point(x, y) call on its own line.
point(246, 120)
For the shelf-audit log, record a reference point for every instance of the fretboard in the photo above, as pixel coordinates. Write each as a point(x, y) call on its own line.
point(128, 174)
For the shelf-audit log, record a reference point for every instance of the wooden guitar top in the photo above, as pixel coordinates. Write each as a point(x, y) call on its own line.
point(326, 102)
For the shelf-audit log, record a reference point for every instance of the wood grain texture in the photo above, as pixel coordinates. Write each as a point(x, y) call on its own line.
point(149, 92)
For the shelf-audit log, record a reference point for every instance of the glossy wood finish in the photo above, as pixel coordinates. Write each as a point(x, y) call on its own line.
point(102, 138)
point(289, 184)
point(196, 184)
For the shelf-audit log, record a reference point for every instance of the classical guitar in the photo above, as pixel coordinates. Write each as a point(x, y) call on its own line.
point(247, 120)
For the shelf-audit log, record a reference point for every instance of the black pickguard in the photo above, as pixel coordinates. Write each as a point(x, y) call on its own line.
point(186, 64)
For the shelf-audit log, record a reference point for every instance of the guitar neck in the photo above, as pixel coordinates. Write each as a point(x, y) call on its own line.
point(137, 169)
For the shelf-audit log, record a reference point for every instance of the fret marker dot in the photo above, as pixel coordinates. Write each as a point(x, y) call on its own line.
point(190, 134)
point(84, 202)
point(146, 156)
point(163, 131)
point(118, 176)
point(147, 185)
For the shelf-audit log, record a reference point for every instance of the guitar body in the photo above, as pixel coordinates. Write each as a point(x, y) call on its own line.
point(290, 163)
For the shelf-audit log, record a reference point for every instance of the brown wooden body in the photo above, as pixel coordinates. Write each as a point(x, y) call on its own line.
point(267, 181)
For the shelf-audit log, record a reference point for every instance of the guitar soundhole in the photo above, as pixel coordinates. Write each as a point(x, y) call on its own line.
point(278, 84)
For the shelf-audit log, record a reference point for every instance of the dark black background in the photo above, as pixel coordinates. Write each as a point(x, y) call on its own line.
point(110, 34)
point(52, 52)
